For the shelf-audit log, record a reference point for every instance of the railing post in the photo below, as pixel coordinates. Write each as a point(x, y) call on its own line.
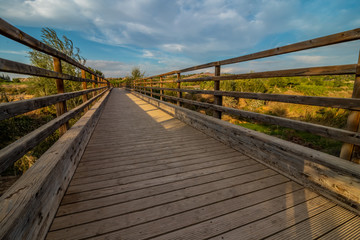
point(349, 151)
point(217, 99)
point(151, 85)
point(161, 91)
point(179, 94)
point(84, 86)
point(93, 84)
point(61, 106)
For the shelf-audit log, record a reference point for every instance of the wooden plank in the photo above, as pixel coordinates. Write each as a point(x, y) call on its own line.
point(116, 189)
point(348, 230)
point(161, 218)
point(311, 71)
point(309, 44)
point(158, 189)
point(324, 131)
point(61, 107)
point(158, 220)
point(17, 149)
point(84, 86)
point(145, 166)
point(21, 68)
point(15, 34)
point(151, 175)
point(314, 227)
point(28, 207)
point(253, 218)
point(277, 222)
point(217, 98)
point(345, 103)
point(333, 177)
point(151, 169)
point(11, 109)
point(350, 151)
point(139, 164)
point(202, 194)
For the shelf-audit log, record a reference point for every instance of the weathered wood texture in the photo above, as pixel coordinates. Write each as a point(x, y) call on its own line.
point(28, 207)
point(329, 132)
point(11, 109)
point(21, 68)
point(15, 34)
point(17, 149)
point(154, 177)
point(309, 44)
point(345, 103)
point(217, 98)
point(351, 151)
point(313, 71)
point(61, 107)
point(332, 176)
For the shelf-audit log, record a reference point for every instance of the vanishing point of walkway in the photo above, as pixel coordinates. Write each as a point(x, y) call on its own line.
point(147, 175)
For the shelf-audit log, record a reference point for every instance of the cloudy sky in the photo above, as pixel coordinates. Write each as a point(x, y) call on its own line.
point(164, 35)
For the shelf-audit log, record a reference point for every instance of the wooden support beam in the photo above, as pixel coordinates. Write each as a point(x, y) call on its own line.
point(151, 84)
point(84, 86)
point(179, 94)
point(161, 86)
point(93, 84)
point(12, 109)
point(61, 106)
point(217, 99)
point(350, 151)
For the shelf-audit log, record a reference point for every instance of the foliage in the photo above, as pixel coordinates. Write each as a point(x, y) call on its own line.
point(45, 86)
point(4, 78)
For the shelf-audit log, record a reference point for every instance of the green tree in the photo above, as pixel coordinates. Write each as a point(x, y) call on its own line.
point(47, 86)
point(136, 73)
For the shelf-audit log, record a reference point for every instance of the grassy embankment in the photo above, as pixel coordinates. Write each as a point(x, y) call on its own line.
point(14, 128)
point(330, 86)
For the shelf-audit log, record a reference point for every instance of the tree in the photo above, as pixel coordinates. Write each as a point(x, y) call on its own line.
point(136, 73)
point(47, 86)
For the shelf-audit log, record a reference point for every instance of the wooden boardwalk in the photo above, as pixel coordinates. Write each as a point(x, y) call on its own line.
point(147, 175)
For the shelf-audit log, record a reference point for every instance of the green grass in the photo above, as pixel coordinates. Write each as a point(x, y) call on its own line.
point(326, 145)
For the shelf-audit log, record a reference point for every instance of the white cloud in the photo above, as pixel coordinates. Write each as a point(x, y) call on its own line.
point(184, 32)
point(13, 52)
point(309, 59)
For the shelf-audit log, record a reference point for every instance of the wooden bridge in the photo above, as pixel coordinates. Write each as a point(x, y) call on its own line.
point(140, 165)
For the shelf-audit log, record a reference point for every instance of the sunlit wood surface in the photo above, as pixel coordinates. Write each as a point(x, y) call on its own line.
point(147, 175)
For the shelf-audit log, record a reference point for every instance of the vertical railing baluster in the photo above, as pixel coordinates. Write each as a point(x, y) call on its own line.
point(61, 106)
point(84, 86)
point(179, 94)
point(161, 86)
point(93, 84)
point(350, 151)
point(217, 99)
point(151, 85)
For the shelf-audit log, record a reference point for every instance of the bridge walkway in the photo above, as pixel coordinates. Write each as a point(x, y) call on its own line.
point(145, 174)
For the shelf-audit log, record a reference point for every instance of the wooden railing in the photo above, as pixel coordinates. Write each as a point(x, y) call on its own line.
point(154, 86)
point(16, 150)
point(27, 208)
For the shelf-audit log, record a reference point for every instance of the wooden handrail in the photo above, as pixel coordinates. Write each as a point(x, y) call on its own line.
point(9, 31)
point(11, 109)
point(341, 37)
point(344, 103)
point(21, 68)
point(17, 149)
point(353, 104)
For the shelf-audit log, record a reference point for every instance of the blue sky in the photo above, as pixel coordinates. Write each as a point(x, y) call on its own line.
point(164, 35)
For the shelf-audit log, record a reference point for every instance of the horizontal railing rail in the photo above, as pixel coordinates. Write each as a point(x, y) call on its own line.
point(16, 34)
point(161, 86)
point(14, 151)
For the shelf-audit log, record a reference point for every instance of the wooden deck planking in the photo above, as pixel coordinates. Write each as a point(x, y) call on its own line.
point(146, 175)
